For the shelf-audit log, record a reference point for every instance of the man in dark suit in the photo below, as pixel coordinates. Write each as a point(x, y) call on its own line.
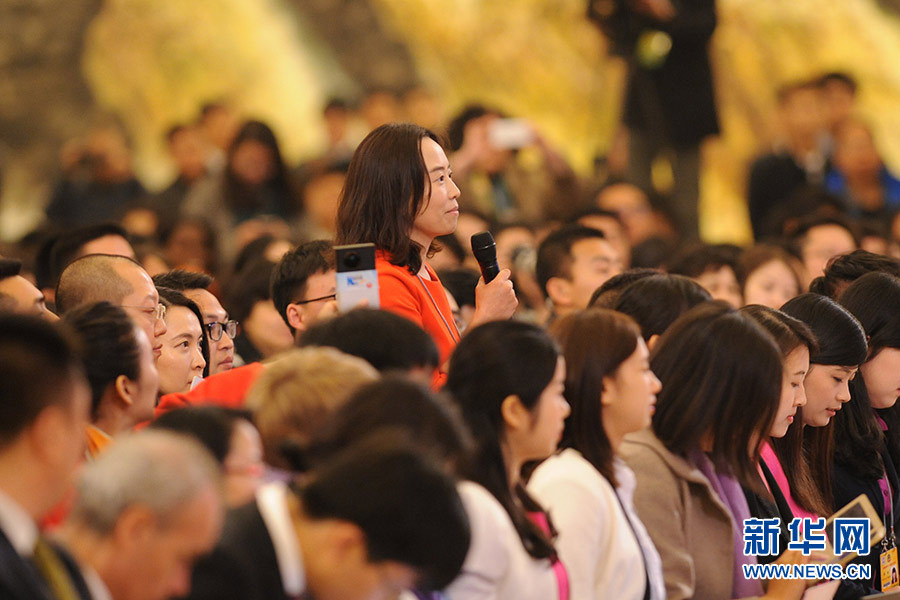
point(377, 519)
point(44, 405)
point(147, 508)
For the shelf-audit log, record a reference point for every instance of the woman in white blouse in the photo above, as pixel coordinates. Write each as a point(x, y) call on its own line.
point(586, 488)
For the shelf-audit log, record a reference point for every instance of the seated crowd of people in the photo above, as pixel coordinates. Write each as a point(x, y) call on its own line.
point(596, 421)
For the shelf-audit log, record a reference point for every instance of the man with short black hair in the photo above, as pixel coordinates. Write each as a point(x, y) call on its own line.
point(572, 262)
point(18, 295)
point(44, 408)
point(220, 330)
point(118, 280)
point(377, 519)
point(303, 284)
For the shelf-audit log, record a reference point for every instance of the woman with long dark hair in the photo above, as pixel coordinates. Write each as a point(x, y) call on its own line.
point(400, 196)
point(806, 451)
point(587, 488)
point(702, 446)
point(507, 378)
point(867, 430)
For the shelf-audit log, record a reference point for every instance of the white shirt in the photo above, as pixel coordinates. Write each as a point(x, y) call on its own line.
point(95, 584)
point(18, 526)
point(271, 499)
point(604, 554)
point(497, 565)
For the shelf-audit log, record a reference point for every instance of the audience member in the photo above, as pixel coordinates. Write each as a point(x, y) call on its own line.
point(148, 508)
point(701, 447)
point(376, 207)
point(632, 204)
point(507, 378)
point(18, 295)
point(839, 96)
point(296, 394)
point(807, 451)
point(190, 243)
point(867, 430)
point(376, 519)
point(587, 488)
point(613, 228)
point(120, 368)
point(714, 267)
point(572, 263)
point(485, 149)
point(817, 240)
point(248, 298)
point(770, 499)
point(120, 281)
point(189, 153)
point(800, 158)
point(184, 353)
point(655, 302)
point(44, 407)
point(608, 294)
point(303, 283)
point(460, 283)
point(220, 330)
point(767, 276)
point(844, 269)
point(98, 183)
point(859, 176)
point(233, 441)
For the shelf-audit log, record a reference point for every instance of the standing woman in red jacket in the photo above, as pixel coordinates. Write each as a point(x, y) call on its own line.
point(399, 195)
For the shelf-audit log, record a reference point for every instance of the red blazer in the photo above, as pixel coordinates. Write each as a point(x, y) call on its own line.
point(226, 389)
point(407, 295)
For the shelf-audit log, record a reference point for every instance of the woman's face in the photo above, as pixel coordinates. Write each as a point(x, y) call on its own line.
point(181, 359)
point(771, 284)
point(882, 375)
point(629, 395)
point(827, 389)
point(549, 415)
point(253, 162)
point(440, 210)
point(793, 394)
point(148, 379)
point(244, 464)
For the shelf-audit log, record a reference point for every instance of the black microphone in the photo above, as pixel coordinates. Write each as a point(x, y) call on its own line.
point(485, 251)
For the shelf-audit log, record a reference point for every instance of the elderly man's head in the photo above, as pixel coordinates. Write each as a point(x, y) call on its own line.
point(147, 509)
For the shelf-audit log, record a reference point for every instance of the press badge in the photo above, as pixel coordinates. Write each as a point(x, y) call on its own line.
point(890, 571)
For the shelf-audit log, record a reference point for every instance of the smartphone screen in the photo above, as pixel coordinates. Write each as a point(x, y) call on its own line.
point(357, 280)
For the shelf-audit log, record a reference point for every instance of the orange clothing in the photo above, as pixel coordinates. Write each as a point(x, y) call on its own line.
point(97, 441)
point(226, 389)
point(423, 302)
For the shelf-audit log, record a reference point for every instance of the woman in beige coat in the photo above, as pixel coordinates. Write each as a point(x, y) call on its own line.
point(721, 376)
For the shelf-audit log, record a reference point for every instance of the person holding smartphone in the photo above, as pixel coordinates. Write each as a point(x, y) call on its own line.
point(400, 196)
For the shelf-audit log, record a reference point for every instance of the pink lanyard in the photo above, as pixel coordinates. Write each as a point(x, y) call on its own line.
point(559, 569)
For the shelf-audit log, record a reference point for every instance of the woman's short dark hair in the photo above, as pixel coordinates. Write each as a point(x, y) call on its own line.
point(171, 298)
point(873, 299)
point(595, 343)
point(714, 363)
point(656, 301)
point(806, 453)
point(491, 362)
point(108, 335)
point(386, 186)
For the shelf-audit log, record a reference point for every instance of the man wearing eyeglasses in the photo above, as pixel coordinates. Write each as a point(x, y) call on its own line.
point(118, 280)
point(220, 330)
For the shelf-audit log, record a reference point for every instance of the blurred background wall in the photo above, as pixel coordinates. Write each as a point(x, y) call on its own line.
point(65, 66)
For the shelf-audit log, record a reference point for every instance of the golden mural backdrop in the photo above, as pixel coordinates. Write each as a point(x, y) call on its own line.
point(153, 62)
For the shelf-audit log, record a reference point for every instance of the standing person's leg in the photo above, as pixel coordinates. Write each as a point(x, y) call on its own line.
point(686, 192)
point(642, 149)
